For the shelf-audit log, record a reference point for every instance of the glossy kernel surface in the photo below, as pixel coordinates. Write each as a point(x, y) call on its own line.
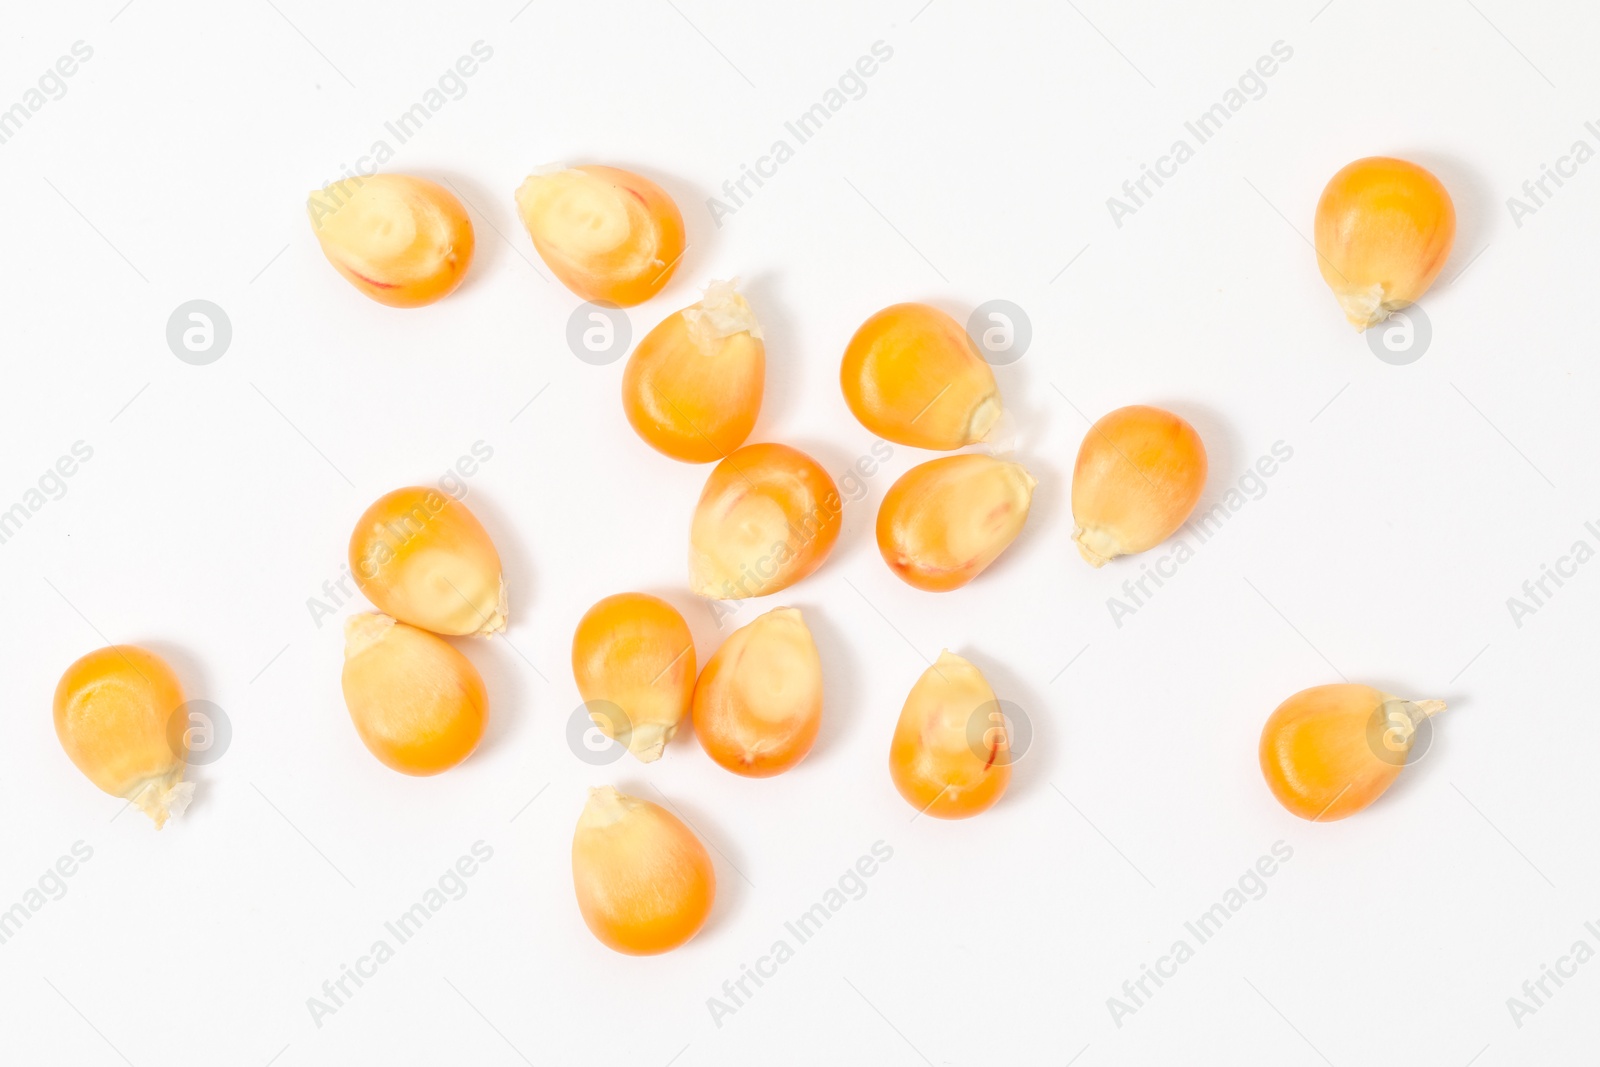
point(1330, 751)
point(951, 752)
point(944, 521)
point(418, 704)
point(692, 388)
point(423, 557)
point(609, 235)
point(767, 517)
point(644, 882)
point(911, 375)
point(1384, 229)
point(1139, 474)
point(758, 703)
point(118, 716)
point(402, 241)
point(634, 663)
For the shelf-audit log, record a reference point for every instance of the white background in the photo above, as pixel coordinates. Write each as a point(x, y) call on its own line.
point(977, 166)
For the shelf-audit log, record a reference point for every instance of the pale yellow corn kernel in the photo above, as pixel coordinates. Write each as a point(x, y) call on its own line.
point(758, 704)
point(644, 882)
point(418, 704)
point(1384, 229)
point(633, 660)
point(403, 241)
point(119, 716)
point(692, 388)
point(423, 557)
point(1139, 474)
point(951, 753)
point(609, 235)
point(911, 375)
point(767, 517)
point(945, 520)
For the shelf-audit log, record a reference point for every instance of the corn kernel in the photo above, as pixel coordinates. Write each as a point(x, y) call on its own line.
point(1329, 751)
point(418, 704)
point(692, 388)
point(911, 375)
point(951, 753)
point(403, 241)
point(758, 704)
point(1384, 230)
point(944, 521)
point(611, 236)
point(118, 716)
point(633, 660)
point(767, 517)
point(644, 881)
point(423, 557)
point(1139, 474)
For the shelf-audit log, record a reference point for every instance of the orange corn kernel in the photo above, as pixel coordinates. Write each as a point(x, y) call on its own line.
point(692, 389)
point(633, 660)
point(118, 714)
point(423, 557)
point(767, 517)
point(1329, 751)
point(951, 754)
point(418, 704)
point(758, 703)
point(644, 881)
point(911, 375)
point(944, 521)
point(1384, 230)
point(1139, 474)
point(610, 235)
point(403, 241)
